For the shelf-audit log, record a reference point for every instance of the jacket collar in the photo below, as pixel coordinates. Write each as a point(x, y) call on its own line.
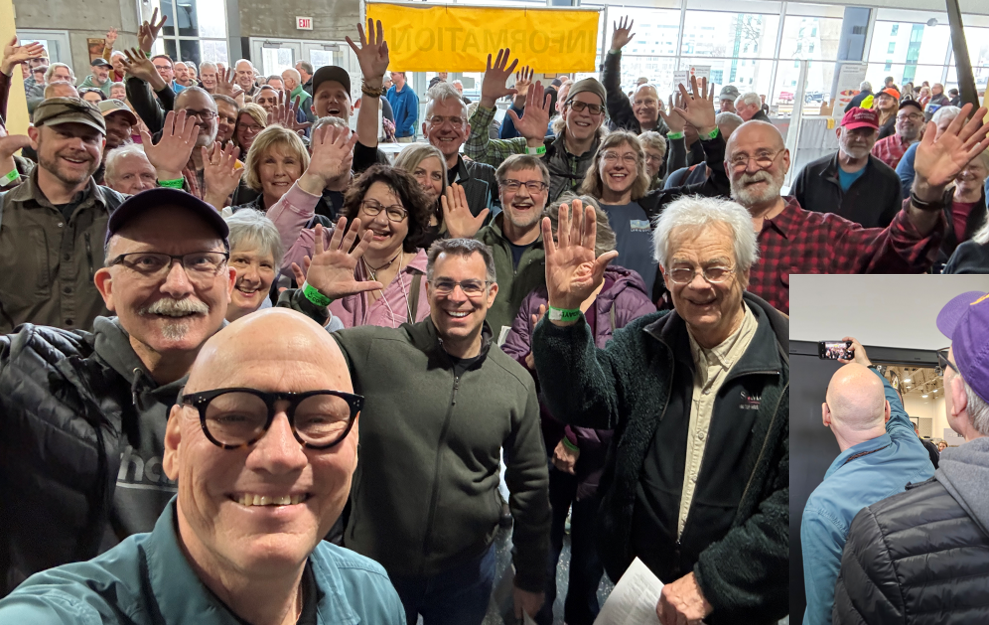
point(463, 174)
point(426, 338)
point(790, 220)
point(831, 171)
point(871, 445)
point(29, 192)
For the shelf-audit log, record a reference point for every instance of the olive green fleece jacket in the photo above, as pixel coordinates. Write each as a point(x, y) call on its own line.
point(514, 283)
point(425, 494)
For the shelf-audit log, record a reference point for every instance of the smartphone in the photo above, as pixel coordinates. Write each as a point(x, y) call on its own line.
point(835, 350)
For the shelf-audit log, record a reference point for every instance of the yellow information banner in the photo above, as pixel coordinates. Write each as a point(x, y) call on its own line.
point(459, 39)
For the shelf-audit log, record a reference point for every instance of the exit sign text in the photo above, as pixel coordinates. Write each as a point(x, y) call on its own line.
point(303, 23)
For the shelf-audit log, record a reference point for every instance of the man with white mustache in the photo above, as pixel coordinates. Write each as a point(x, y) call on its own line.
point(84, 413)
point(794, 240)
point(852, 182)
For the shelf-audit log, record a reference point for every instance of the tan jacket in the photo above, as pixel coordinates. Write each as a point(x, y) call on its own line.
point(46, 264)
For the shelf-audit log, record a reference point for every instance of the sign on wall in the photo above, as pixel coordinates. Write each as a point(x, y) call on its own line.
point(303, 23)
point(459, 39)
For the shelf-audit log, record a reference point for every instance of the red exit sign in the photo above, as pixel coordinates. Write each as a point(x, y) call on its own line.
point(303, 23)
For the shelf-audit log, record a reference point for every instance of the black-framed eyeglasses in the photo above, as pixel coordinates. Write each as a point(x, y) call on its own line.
point(471, 288)
point(157, 265)
point(395, 212)
point(233, 418)
point(944, 363)
point(205, 115)
point(715, 274)
point(533, 186)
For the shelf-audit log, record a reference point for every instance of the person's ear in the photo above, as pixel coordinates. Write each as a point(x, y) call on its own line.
point(959, 399)
point(887, 412)
point(34, 135)
point(173, 440)
point(104, 284)
point(825, 415)
point(492, 294)
point(786, 161)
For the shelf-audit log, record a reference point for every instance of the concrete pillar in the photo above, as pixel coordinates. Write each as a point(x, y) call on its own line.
point(851, 45)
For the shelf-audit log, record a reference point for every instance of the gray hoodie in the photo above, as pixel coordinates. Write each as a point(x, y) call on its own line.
point(964, 472)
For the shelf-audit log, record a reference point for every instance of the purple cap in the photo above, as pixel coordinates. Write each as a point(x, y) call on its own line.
point(965, 320)
point(165, 197)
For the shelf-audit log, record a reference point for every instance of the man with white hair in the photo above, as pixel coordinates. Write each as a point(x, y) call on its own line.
point(865, 90)
point(641, 113)
point(244, 76)
point(207, 77)
point(59, 72)
point(880, 455)
point(794, 240)
point(459, 86)
point(446, 128)
point(749, 106)
point(714, 532)
point(128, 170)
point(292, 81)
point(945, 572)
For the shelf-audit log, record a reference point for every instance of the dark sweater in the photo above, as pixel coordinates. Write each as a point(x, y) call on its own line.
point(873, 200)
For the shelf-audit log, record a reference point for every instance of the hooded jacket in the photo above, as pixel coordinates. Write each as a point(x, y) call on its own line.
point(919, 557)
point(736, 539)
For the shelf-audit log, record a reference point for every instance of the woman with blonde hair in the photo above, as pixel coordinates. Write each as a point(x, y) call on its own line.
point(426, 164)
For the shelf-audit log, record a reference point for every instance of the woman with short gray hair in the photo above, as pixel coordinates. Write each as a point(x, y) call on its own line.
point(255, 255)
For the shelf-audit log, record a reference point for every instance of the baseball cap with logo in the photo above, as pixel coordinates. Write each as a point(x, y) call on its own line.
point(965, 320)
point(861, 118)
point(56, 111)
point(109, 107)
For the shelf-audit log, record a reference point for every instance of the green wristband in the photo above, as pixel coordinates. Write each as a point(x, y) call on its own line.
point(172, 184)
point(569, 445)
point(674, 135)
point(711, 135)
point(10, 178)
point(563, 314)
point(536, 151)
point(313, 295)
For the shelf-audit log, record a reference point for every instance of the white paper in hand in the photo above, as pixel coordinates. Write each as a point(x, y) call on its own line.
point(634, 599)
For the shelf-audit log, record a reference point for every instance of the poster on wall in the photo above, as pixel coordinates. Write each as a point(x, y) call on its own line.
point(850, 77)
point(682, 76)
point(95, 48)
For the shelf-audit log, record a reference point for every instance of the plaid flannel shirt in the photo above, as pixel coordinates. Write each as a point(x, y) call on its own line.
point(483, 149)
point(800, 241)
point(890, 150)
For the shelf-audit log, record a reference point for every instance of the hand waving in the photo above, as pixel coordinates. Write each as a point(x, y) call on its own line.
point(171, 154)
point(495, 77)
point(622, 33)
point(111, 37)
point(939, 159)
point(535, 119)
point(373, 53)
point(698, 109)
point(523, 80)
point(572, 271)
point(14, 54)
point(459, 221)
point(225, 84)
point(332, 269)
point(220, 172)
point(286, 114)
point(148, 31)
point(673, 120)
point(332, 156)
point(138, 65)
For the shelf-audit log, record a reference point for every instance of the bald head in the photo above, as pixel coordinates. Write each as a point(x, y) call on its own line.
point(856, 399)
point(752, 135)
point(271, 349)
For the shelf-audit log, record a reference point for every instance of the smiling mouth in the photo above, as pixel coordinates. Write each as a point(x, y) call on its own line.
point(458, 314)
point(75, 161)
point(248, 292)
point(251, 500)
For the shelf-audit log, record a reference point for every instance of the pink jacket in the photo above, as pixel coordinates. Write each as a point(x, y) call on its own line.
point(291, 214)
point(392, 308)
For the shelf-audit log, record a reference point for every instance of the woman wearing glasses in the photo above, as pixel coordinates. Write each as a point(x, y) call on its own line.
point(392, 206)
point(251, 120)
point(966, 240)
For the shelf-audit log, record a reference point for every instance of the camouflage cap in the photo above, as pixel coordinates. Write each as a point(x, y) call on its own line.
point(55, 111)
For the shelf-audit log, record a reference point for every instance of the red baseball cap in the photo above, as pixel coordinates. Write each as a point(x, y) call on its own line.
point(861, 118)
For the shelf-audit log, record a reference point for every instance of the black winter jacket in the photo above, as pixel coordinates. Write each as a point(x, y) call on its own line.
point(744, 572)
point(873, 200)
point(619, 107)
point(922, 557)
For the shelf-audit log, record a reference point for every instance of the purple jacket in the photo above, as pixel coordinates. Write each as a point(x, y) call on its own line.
point(616, 305)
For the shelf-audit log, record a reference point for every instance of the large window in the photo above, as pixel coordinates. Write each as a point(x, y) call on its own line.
point(913, 51)
point(195, 30)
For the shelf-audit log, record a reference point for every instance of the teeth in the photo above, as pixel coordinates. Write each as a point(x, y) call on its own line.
point(248, 499)
point(457, 314)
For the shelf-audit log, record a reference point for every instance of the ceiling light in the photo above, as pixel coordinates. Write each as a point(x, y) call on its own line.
point(906, 379)
point(924, 395)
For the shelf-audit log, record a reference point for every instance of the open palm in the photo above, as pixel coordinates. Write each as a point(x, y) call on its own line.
point(459, 221)
point(535, 119)
point(572, 271)
point(332, 268)
point(372, 55)
point(940, 159)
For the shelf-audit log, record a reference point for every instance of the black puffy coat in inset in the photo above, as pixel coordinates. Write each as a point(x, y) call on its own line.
point(916, 558)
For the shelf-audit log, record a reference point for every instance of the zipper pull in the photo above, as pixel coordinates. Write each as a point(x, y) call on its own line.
point(456, 385)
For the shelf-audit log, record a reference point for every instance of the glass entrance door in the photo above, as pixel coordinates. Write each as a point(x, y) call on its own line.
point(273, 56)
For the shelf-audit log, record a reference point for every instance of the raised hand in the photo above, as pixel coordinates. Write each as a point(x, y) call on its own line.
point(286, 114)
point(572, 271)
point(225, 84)
point(111, 37)
point(137, 64)
point(148, 31)
point(8, 147)
point(372, 55)
point(673, 119)
point(495, 77)
point(332, 269)
point(698, 109)
point(220, 172)
point(535, 119)
point(15, 54)
point(523, 80)
point(940, 158)
point(171, 154)
point(622, 33)
point(332, 156)
point(459, 221)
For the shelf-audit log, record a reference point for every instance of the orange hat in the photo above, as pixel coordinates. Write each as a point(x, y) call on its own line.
point(891, 92)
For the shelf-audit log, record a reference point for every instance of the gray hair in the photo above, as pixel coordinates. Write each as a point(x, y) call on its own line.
point(208, 64)
point(307, 66)
point(464, 248)
point(249, 226)
point(728, 123)
point(518, 162)
point(457, 82)
point(441, 92)
point(749, 99)
point(605, 240)
point(294, 73)
point(51, 70)
point(239, 61)
point(654, 140)
point(697, 212)
point(865, 86)
point(330, 120)
point(113, 158)
point(978, 410)
point(118, 84)
point(950, 112)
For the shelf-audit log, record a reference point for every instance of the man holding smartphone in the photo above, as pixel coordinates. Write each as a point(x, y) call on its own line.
point(880, 455)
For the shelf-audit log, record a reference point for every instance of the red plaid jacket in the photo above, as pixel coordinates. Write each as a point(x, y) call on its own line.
point(890, 150)
point(799, 241)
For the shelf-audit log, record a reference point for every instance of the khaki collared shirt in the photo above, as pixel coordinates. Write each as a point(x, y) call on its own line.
point(47, 263)
point(711, 368)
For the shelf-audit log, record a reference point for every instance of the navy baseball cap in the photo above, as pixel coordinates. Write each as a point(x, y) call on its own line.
point(965, 320)
point(161, 197)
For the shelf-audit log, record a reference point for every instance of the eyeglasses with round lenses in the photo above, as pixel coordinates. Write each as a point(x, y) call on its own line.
point(201, 266)
point(533, 186)
point(764, 159)
point(593, 109)
point(714, 275)
point(395, 212)
point(233, 418)
point(629, 158)
point(471, 288)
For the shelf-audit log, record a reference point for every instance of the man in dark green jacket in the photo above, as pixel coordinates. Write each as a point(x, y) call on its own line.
point(697, 486)
point(441, 403)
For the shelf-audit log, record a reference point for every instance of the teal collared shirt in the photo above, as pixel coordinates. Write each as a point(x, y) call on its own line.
point(860, 476)
point(147, 579)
